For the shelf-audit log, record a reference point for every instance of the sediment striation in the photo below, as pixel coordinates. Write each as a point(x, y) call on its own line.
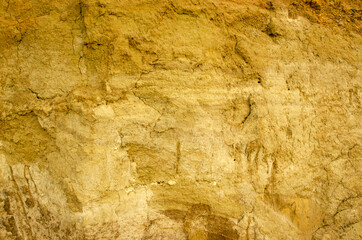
point(180, 119)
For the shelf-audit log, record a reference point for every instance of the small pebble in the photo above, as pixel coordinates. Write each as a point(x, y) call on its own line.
point(171, 182)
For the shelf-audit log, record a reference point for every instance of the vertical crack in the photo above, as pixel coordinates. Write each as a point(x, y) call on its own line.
point(21, 201)
point(18, 42)
point(178, 156)
point(248, 115)
point(7, 6)
point(31, 178)
point(83, 30)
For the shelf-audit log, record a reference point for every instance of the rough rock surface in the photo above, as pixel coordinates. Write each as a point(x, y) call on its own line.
point(180, 119)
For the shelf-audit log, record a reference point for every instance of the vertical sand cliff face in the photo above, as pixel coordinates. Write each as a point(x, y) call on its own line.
point(180, 119)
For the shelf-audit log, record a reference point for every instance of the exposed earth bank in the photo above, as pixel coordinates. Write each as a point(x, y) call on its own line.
point(180, 119)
